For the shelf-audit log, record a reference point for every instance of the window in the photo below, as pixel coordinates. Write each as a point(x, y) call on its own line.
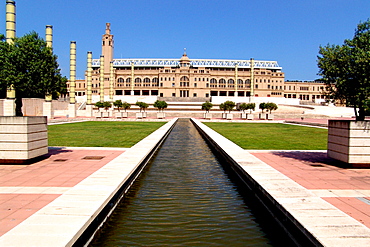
point(194, 94)
point(195, 85)
point(173, 84)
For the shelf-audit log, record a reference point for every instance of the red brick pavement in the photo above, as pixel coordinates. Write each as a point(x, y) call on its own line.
point(64, 168)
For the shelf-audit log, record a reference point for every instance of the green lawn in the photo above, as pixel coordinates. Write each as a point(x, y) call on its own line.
point(100, 134)
point(271, 136)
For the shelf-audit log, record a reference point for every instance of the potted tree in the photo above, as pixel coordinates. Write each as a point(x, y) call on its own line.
point(243, 107)
point(207, 106)
point(229, 106)
point(125, 106)
point(106, 106)
point(262, 106)
point(98, 109)
point(345, 71)
point(223, 108)
point(118, 103)
point(142, 106)
point(270, 106)
point(160, 105)
point(251, 107)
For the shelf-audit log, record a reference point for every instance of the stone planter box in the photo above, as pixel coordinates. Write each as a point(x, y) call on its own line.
point(207, 115)
point(250, 116)
point(105, 114)
point(121, 114)
point(224, 115)
point(349, 141)
point(243, 115)
point(270, 116)
point(229, 116)
point(161, 115)
point(22, 138)
point(262, 116)
point(140, 115)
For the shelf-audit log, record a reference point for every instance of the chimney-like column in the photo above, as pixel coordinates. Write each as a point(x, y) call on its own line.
point(49, 36)
point(89, 73)
point(111, 82)
point(72, 73)
point(236, 80)
point(252, 77)
point(10, 20)
point(102, 78)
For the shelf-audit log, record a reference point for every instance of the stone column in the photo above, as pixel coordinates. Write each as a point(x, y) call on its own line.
point(102, 78)
point(132, 78)
point(47, 108)
point(89, 105)
point(252, 80)
point(72, 80)
point(9, 102)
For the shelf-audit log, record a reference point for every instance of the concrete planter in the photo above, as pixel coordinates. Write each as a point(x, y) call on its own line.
point(224, 115)
point(105, 113)
point(349, 141)
point(250, 116)
point(270, 116)
point(262, 116)
point(140, 115)
point(243, 115)
point(207, 115)
point(120, 114)
point(229, 116)
point(161, 115)
point(22, 138)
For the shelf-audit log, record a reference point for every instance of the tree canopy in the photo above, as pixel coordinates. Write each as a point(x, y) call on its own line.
point(31, 68)
point(345, 69)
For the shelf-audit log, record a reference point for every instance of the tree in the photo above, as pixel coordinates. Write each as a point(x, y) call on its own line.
point(207, 106)
point(229, 105)
point(345, 69)
point(262, 106)
point(99, 104)
point(251, 107)
point(270, 106)
point(142, 105)
point(118, 103)
point(160, 105)
point(243, 106)
point(31, 68)
point(107, 105)
point(126, 106)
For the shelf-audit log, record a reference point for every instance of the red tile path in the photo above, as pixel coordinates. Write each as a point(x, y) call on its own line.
point(64, 168)
point(315, 171)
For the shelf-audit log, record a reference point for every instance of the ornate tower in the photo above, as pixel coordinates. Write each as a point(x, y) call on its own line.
point(107, 48)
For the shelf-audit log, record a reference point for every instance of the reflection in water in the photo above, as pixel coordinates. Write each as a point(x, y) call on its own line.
point(184, 198)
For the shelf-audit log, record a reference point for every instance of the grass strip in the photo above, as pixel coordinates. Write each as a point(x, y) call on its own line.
point(273, 136)
point(100, 134)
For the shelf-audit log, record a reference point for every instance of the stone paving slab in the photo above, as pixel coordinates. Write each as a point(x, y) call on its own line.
point(296, 179)
point(82, 188)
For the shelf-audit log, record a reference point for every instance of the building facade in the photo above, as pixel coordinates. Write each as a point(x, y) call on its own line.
point(189, 78)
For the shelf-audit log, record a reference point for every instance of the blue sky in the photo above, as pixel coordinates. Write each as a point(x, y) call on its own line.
point(287, 31)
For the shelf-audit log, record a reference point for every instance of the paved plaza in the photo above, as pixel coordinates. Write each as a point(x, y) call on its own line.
point(25, 189)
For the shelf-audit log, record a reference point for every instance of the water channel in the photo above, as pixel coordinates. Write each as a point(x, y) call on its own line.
point(184, 198)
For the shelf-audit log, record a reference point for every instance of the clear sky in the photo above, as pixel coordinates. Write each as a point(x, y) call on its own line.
point(287, 31)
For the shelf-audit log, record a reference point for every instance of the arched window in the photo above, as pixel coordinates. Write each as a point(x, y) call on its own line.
point(213, 82)
point(184, 81)
point(155, 82)
point(146, 82)
point(120, 82)
point(222, 83)
point(137, 82)
point(128, 82)
point(230, 83)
